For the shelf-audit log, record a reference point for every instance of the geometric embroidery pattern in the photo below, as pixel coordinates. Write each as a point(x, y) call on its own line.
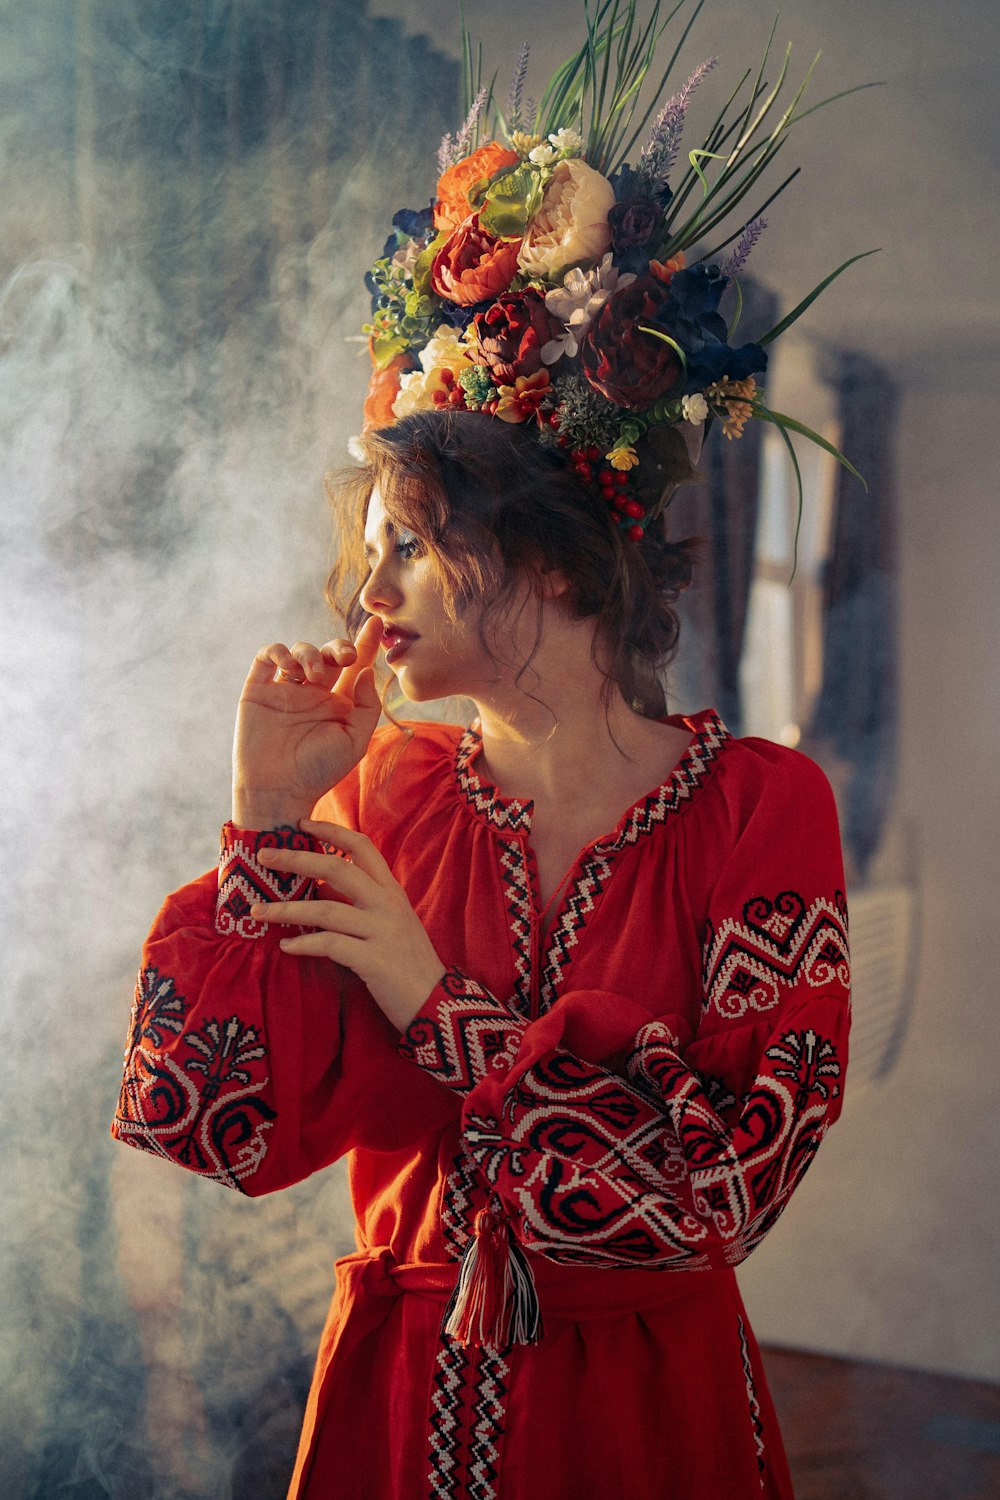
point(778, 944)
point(242, 881)
point(470, 1035)
point(477, 1377)
point(200, 1101)
point(755, 1416)
point(710, 737)
point(742, 1174)
point(578, 907)
point(517, 894)
point(463, 1194)
point(487, 1426)
point(510, 816)
point(606, 1172)
point(445, 1425)
point(505, 813)
point(588, 1161)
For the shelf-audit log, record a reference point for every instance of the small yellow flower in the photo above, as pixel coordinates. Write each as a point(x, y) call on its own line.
point(622, 458)
point(523, 143)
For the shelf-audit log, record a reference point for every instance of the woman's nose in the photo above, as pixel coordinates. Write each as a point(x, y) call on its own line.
point(381, 592)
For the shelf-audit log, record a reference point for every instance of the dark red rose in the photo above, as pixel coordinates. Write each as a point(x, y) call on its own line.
point(628, 366)
point(636, 222)
point(511, 334)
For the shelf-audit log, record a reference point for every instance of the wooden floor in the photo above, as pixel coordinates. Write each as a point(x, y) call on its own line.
point(871, 1432)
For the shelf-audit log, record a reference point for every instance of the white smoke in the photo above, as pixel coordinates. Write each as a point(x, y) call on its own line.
point(177, 291)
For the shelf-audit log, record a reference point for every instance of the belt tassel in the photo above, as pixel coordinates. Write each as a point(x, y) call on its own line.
point(495, 1303)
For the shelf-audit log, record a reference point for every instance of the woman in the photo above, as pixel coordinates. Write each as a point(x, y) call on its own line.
point(569, 988)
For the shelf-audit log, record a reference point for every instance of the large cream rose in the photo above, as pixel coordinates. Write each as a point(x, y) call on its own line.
point(446, 349)
point(572, 223)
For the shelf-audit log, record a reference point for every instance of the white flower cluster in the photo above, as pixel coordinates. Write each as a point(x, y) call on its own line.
point(560, 144)
point(576, 304)
point(446, 349)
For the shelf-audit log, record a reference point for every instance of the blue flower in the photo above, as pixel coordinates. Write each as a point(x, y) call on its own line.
point(408, 224)
point(691, 316)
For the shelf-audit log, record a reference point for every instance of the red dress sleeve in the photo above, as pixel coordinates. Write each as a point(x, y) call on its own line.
point(682, 1154)
point(247, 1066)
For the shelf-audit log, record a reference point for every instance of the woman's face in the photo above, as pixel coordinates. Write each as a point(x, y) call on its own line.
point(432, 655)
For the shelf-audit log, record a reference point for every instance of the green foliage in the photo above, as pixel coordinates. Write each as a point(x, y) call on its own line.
point(585, 416)
point(597, 91)
point(510, 201)
point(404, 318)
point(478, 387)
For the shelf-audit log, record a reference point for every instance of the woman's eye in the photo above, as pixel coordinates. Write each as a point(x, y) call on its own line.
point(407, 545)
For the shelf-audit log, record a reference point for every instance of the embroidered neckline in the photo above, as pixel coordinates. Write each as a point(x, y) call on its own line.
point(511, 816)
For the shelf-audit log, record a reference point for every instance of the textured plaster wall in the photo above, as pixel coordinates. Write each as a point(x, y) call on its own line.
point(889, 1250)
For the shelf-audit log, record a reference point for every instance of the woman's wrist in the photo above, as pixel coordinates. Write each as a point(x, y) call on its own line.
point(256, 812)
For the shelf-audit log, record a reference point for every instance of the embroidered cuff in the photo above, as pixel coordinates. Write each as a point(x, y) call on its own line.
point(242, 881)
point(653, 1061)
point(462, 1033)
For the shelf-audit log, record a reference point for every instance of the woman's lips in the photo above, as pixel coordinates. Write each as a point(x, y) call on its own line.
point(396, 642)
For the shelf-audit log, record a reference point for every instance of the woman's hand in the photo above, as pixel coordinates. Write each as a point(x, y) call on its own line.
point(306, 715)
point(369, 927)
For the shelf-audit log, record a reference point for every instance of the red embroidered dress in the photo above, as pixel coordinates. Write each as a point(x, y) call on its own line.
point(641, 1088)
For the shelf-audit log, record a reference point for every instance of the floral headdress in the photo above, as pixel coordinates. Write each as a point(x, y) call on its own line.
point(548, 282)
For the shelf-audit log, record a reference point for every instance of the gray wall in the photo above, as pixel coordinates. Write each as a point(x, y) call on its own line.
point(182, 261)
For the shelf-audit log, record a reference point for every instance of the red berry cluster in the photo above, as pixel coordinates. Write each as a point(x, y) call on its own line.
point(453, 395)
point(612, 482)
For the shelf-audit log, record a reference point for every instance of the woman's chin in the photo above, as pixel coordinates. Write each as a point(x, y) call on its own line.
point(417, 687)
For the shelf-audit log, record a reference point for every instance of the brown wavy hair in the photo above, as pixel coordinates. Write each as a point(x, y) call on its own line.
point(494, 505)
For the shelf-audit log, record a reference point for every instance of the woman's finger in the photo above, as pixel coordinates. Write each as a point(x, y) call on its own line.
point(346, 951)
point(274, 659)
point(363, 854)
point(315, 667)
point(366, 646)
point(327, 916)
point(339, 652)
point(346, 878)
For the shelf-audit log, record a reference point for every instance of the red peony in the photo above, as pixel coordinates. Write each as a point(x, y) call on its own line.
point(511, 334)
point(628, 366)
point(473, 266)
point(453, 207)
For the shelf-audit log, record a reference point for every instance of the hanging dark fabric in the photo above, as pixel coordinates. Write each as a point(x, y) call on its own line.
point(856, 713)
point(723, 512)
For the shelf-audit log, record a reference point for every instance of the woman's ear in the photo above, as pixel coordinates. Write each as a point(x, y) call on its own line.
point(551, 583)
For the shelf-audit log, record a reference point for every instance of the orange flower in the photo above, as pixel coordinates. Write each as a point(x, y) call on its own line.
point(453, 206)
point(664, 270)
point(473, 266)
point(731, 402)
point(383, 388)
point(521, 400)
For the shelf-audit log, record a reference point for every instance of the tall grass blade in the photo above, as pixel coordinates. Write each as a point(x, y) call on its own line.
point(781, 420)
point(793, 456)
point(796, 312)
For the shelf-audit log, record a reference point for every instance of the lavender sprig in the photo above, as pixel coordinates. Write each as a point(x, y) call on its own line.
point(514, 120)
point(660, 151)
point(751, 234)
point(454, 147)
